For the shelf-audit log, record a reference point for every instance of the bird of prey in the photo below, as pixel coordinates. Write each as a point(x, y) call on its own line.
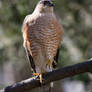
point(42, 37)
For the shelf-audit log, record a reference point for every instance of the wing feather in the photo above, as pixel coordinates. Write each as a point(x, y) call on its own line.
point(30, 58)
point(27, 45)
point(56, 59)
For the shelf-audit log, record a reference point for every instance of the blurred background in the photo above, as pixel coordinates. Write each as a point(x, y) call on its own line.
point(76, 19)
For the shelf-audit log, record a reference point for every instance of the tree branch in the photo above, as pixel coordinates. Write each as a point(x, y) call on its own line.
point(58, 74)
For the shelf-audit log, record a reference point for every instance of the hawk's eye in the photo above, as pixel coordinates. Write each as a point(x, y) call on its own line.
point(46, 3)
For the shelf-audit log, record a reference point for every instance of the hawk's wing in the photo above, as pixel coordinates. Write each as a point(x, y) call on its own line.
point(27, 45)
point(56, 58)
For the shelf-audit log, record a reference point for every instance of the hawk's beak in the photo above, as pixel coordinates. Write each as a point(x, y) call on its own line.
point(51, 4)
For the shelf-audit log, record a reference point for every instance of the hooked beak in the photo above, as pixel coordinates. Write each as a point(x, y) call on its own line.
point(51, 4)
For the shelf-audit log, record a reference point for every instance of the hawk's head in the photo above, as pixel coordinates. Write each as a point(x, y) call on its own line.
point(45, 6)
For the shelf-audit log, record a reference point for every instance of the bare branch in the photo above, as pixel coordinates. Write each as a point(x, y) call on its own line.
point(58, 74)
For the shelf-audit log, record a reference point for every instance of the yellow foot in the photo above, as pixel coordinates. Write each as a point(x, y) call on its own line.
point(55, 62)
point(36, 74)
point(40, 75)
point(49, 62)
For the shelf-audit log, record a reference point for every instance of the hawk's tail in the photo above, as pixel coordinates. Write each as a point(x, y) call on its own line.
point(46, 88)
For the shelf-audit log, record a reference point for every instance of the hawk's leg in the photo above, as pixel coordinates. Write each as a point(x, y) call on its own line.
point(49, 65)
point(55, 62)
point(40, 76)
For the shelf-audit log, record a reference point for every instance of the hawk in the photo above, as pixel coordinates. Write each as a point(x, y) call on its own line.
point(42, 37)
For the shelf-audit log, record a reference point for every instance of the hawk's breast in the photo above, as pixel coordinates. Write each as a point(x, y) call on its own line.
point(44, 37)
